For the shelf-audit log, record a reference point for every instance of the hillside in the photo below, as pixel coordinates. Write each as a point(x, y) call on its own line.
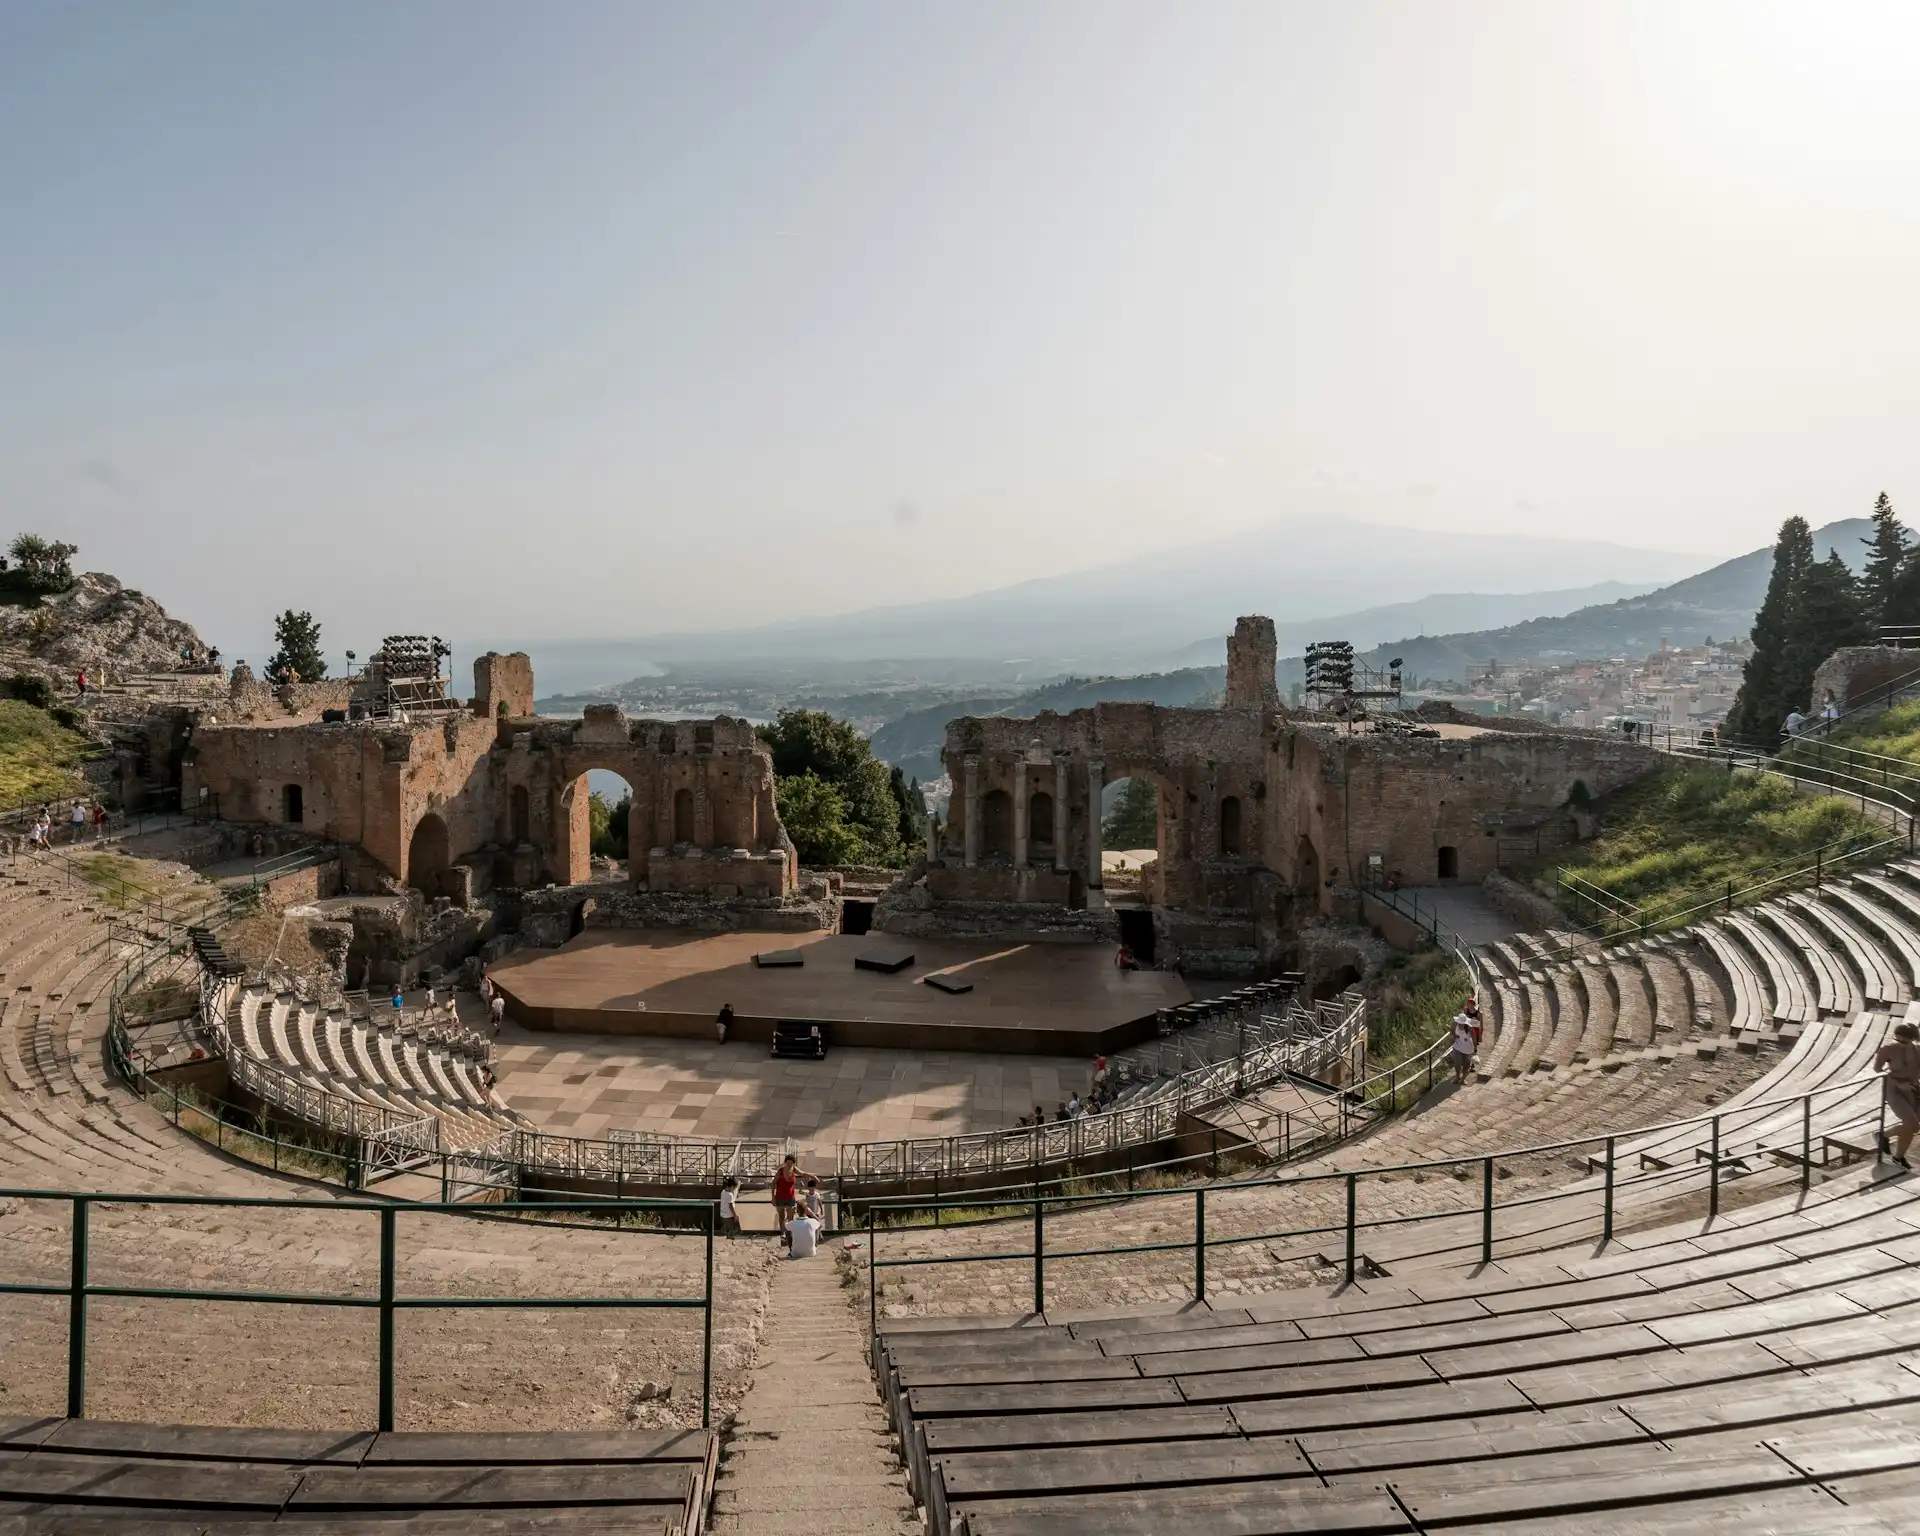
point(97, 624)
point(913, 741)
point(1716, 603)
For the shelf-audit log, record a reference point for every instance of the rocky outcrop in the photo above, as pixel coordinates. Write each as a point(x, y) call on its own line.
point(97, 624)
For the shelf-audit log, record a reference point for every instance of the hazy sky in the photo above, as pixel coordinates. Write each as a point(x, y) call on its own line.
point(599, 318)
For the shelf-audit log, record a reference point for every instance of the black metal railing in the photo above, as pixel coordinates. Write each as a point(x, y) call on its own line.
point(80, 1287)
point(1651, 1163)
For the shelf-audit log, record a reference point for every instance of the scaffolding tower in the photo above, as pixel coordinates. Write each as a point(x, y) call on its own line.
point(1340, 685)
point(403, 677)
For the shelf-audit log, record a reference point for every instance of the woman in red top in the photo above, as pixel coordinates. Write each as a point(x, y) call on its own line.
point(785, 1178)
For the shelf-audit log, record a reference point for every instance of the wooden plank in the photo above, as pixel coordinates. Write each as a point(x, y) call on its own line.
point(1044, 1429)
point(47, 1521)
point(1757, 1319)
point(1473, 1440)
point(331, 1489)
point(1612, 1343)
point(1140, 1345)
point(1835, 1389)
point(1193, 1319)
point(26, 1433)
point(507, 1449)
point(1101, 1468)
point(1799, 1511)
point(1301, 1352)
point(1040, 1397)
point(1616, 1478)
point(1435, 1401)
point(1587, 1382)
point(46, 1477)
point(204, 1442)
point(1246, 1509)
point(978, 1372)
point(1415, 1314)
point(1335, 1376)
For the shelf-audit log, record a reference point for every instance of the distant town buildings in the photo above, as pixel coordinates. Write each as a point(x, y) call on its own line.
point(1677, 688)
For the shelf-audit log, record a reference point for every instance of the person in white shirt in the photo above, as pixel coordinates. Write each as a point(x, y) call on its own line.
point(729, 1207)
point(1794, 721)
point(803, 1233)
point(78, 821)
point(1463, 1047)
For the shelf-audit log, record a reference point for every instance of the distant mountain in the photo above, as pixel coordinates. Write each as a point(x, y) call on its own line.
point(1437, 614)
point(1719, 603)
point(1138, 614)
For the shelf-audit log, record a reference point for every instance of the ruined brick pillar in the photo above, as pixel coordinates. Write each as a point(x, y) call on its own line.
point(1253, 652)
point(972, 812)
point(1062, 855)
point(1096, 781)
point(1021, 813)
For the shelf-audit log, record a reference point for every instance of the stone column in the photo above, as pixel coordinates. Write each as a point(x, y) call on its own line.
point(972, 811)
point(1096, 781)
point(1062, 855)
point(1022, 813)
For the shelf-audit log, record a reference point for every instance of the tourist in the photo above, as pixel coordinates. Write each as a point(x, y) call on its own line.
point(1464, 1046)
point(1099, 1073)
point(497, 1009)
point(1039, 1114)
point(399, 1001)
point(82, 680)
point(1471, 1008)
point(785, 1179)
point(723, 1022)
point(77, 822)
point(433, 1000)
point(729, 1208)
point(1073, 1106)
point(1899, 1058)
point(1830, 712)
point(1123, 959)
point(1793, 722)
point(816, 1204)
point(1061, 1112)
point(99, 820)
point(803, 1234)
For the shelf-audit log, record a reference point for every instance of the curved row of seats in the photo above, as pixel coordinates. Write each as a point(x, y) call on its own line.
point(63, 1124)
point(1771, 1365)
point(407, 1074)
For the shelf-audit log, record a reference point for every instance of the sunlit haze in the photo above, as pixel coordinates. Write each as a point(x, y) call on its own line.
point(600, 319)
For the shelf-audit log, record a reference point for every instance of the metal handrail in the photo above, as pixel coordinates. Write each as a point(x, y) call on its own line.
point(80, 1288)
point(1720, 1152)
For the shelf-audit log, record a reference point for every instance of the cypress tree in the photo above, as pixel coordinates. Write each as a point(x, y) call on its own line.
point(1886, 557)
point(1828, 612)
point(1762, 702)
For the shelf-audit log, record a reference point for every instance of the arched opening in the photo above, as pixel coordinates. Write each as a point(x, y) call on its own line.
point(428, 855)
point(1448, 863)
point(610, 818)
point(1131, 823)
point(293, 809)
point(519, 817)
point(1040, 826)
point(683, 816)
point(996, 824)
point(1337, 982)
point(1306, 866)
point(1230, 846)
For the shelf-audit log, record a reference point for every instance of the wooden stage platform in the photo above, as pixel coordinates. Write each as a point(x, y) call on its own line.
point(1049, 999)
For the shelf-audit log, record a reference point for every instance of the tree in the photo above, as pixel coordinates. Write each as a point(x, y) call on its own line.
point(815, 816)
point(298, 659)
point(1886, 557)
point(1762, 702)
point(1828, 612)
point(810, 741)
point(41, 566)
point(911, 810)
point(607, 825)
point(1135, 821)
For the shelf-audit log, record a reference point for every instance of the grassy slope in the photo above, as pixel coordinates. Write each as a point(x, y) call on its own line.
point(37, 756)
point(1419, 996)
point(1895, 732)
point(1679, 835)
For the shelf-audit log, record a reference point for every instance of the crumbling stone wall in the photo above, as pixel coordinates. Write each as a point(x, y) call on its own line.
point(1860, 674)
point(454, 802)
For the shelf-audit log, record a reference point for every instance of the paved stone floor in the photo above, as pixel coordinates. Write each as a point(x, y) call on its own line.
point(586, 1085)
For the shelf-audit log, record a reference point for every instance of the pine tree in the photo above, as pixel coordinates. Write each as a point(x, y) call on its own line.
point(299, 659)
point(1135, 821)
point(1886, 557)
point(1828, 612)
point(1762, 702)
